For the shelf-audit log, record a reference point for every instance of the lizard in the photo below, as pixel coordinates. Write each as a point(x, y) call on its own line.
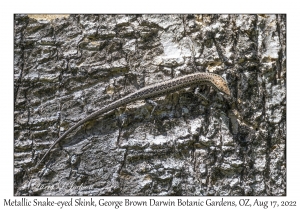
point(154, 90)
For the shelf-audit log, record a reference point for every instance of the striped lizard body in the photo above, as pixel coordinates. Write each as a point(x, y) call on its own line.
point(214, 80)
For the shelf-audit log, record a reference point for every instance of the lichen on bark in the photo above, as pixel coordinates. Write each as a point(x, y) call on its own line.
point(67, 66)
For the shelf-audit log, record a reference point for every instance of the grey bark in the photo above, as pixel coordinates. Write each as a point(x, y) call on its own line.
point(66, 67)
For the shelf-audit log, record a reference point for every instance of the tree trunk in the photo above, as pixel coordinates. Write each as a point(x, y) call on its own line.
point(68, 66)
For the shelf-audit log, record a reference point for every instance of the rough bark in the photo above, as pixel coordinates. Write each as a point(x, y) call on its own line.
point(69, 66)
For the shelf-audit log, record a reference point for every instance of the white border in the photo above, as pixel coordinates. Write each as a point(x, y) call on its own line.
point(141, 7)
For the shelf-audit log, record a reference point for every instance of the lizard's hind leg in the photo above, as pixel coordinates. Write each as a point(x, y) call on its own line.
point(152, 103)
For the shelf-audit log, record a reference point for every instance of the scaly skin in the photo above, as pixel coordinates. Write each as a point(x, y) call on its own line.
point(214, 80)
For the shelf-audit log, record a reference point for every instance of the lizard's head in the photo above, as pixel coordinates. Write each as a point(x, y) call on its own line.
point(221, 84)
